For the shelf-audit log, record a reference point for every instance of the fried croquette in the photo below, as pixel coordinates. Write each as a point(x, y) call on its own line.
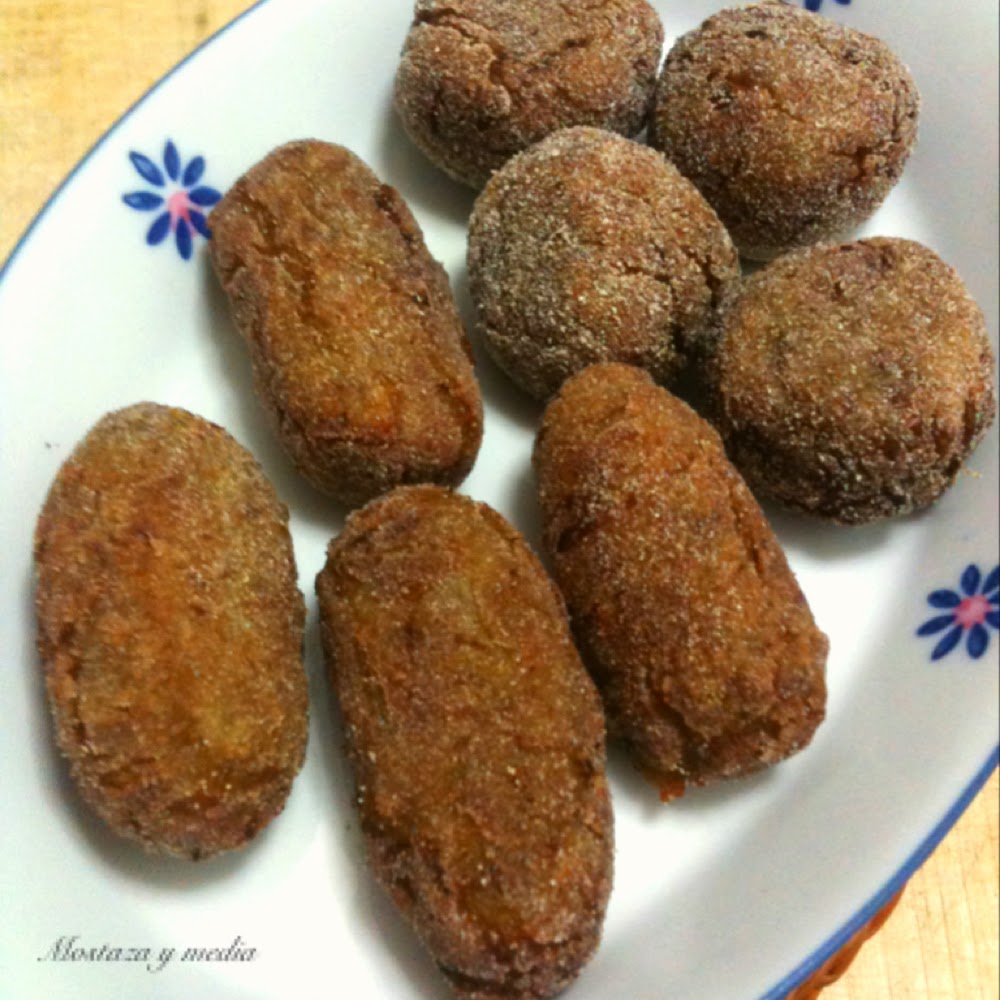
point(794, 128)
point(480, 80)
point(170, 631)
point(852, 381)
point(589, 247)
point(681, 599)
point(477, 740)
point(358, 352)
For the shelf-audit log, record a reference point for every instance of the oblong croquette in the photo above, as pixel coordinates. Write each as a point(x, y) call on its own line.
point(793, 127)
point(852, 381)
point(358, 351)
point(170, 631)
point(476, 737)
point(681, 599)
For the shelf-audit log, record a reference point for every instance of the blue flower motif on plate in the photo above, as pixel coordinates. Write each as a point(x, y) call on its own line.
point(182, 200)
point(815, 5)
point(970, 612)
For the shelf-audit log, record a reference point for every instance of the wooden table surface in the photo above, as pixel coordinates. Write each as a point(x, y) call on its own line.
point(68, 68)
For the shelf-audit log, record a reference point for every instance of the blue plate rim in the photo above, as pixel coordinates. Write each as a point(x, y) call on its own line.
point(112, 129)
point(833, 944)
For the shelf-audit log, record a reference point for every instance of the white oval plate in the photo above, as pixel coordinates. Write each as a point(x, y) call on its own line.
point(737, 892)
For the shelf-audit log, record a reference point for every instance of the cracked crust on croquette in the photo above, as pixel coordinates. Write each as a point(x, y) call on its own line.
point(480, 80)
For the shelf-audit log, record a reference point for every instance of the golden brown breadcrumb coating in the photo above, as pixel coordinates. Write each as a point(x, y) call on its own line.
point(589, 247)
point(359, 355)
point(170, 630)
point(852, 381)
point(794, 128)
point(477, 740)
point(681, 599)
point(480, 80)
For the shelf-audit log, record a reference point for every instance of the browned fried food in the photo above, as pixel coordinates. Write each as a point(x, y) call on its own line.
point(480, 80)
point(170, 630)
point(589, 247)
point(794, 128)
point(852, 381)
point(682, 601)
point(358, 351)
point(477, 741)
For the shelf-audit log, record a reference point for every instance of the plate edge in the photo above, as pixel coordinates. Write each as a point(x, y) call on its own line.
point(895, 884)
point(800, 973)
point(110, 130)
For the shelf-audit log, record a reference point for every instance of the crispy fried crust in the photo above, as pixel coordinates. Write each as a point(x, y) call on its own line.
point(170, 631)
point(589, 247)
point(480, 80)
point(359, 355)
point(682, 601)
point(476, 737)
point(794, 128)
point(852, 381)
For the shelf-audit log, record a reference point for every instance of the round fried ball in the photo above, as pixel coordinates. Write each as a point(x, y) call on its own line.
point(793, 127)
point(852, 381)
point(589, 247)
point(480, 80)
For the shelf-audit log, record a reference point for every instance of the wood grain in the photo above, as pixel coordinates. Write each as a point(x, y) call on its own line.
point(941, 943)
point(68, 68)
